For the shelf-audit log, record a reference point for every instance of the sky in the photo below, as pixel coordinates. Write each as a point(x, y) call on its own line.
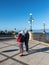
point(15, 14)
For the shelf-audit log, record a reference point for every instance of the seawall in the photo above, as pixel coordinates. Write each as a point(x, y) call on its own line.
point(40, 37)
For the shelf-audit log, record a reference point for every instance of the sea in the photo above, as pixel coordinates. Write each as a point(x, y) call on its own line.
point(41, 31)
point(47, 33)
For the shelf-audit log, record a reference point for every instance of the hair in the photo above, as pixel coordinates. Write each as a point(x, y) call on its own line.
point(20, 35)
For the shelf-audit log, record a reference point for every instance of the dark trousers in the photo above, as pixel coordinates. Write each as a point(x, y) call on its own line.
point(26, 45)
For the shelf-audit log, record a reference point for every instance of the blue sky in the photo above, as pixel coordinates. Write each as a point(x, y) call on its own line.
point(15, 14)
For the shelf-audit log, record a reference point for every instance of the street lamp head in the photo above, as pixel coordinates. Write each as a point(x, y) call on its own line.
point(32, 20)
point(30, 14)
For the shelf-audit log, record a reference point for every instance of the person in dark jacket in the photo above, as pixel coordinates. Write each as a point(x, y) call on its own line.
point(26, 40)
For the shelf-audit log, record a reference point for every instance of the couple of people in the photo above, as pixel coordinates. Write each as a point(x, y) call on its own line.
point(23, 37)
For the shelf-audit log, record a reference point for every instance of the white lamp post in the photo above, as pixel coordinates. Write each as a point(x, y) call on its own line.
point(44, 28)
point(30, 21)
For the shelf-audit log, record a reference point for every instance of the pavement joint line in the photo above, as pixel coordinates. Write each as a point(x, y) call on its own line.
point(7, 43)
point(12, 59)
point(44, 43)
point(29, 48)
point(20, 61)
point(4, 55)
point(5, 46)
point(9, 56)
point(4, 60)
point(10, 44)
point(14, 55)
point(34, 46)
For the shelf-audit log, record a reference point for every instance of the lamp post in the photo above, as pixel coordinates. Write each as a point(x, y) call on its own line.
point(44, 28)
point(44, 33)
point(15, 30)
point(30, 21)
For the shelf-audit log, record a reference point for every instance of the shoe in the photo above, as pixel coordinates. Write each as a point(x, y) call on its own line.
point(20, 54)
point(26, 50)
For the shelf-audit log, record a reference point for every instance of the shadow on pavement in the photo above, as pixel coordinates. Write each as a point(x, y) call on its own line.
point(32, 51)
point(10, 50)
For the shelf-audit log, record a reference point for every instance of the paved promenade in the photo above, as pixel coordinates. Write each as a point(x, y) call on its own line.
point(38, 53)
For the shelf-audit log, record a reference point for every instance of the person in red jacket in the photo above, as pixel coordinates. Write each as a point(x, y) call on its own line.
point(20, 40)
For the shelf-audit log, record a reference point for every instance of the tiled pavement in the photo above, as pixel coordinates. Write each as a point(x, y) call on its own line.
point(9, 53)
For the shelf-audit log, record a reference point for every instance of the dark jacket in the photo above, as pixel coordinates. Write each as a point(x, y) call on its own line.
point(27, 36)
